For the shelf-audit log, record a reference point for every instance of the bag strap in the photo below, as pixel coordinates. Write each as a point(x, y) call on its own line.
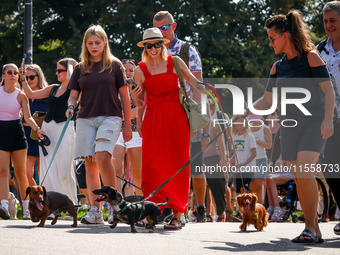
point(180, 76)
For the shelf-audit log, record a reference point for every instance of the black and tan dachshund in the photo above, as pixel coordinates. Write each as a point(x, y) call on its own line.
point(127, 212)
point(44, 203)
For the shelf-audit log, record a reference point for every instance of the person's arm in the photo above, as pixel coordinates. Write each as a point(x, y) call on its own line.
point(125, 97)
point(267, 144)
point(36, 94)
point(327, 128)
point(220, 145)
point(72, 102)
point(265, 102)
point(23, 101)
point(137, 94)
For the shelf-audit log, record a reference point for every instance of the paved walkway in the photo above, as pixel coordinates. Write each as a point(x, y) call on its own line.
point(23, 237)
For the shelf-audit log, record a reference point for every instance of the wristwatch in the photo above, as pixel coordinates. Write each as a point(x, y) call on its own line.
point(206, 135)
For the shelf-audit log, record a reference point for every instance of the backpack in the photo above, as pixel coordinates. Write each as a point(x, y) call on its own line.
point(184, 52)
point(321, 46)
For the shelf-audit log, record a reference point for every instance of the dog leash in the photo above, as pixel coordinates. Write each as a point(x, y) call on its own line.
point(58, 144)
point(184, 166)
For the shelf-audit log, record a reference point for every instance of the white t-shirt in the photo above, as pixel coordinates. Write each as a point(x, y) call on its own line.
point(242, 146)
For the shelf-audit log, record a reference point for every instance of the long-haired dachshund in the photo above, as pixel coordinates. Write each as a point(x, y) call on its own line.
point(252, 212)
point(44, 203)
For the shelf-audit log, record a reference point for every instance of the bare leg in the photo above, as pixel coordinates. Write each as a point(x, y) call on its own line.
point(200, 184)
point(30, 170)
point(19, 158)
point(107, 172)
point(92, 179)
point(307, 189)
point(257, 187)
point(4, 174)
point(135, 157)
point(118, 163)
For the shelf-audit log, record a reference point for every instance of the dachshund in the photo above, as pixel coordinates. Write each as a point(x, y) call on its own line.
point(43, 203)
point(128, 212)
point(252, 212)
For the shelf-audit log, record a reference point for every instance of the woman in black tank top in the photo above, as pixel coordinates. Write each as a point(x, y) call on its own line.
point(301, 66)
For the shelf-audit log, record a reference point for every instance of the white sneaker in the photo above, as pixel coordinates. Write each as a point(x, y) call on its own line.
point(26, 215)
point(4, 214)
point(93, 216)
point(110, 217)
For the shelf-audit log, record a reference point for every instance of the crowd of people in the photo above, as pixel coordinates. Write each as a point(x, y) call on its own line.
point(140, 132)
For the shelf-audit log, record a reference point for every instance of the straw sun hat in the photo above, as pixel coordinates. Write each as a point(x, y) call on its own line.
point(152, 34)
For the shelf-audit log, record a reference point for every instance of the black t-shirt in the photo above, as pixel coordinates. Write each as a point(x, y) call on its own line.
point(99, 91)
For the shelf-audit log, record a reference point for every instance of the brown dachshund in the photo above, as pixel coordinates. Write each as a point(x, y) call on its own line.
point(43, 203)
point(252, 212)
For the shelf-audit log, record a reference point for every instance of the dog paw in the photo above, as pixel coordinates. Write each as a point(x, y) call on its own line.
point(113, 226)
point(40, 225)
point(74, 225)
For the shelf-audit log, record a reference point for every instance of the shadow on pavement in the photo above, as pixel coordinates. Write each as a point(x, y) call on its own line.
point(283, 244)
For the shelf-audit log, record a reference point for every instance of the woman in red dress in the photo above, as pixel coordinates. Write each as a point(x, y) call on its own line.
point(165, 128)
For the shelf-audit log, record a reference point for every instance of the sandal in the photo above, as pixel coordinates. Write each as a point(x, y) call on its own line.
point(307, 233)
point(209, 218)
point(172, 225)
point(228, 215)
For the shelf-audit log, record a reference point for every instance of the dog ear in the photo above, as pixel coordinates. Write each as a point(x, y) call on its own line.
point(44, 189)
point(239, 200)
point(119, 196)
point(254, 199)
point(27, 192)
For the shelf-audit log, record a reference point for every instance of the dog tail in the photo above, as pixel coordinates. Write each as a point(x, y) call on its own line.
point(164, 204)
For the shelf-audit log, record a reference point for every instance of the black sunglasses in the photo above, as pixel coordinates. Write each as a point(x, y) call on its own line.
point(165, 27)
point(128, 60)
point(149, 46)
point(10, 72)
point(60, 70)
point(31, 77)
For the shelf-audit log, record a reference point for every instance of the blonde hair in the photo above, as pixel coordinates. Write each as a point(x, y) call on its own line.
point(85, 56)
point(293, 24)
point(42, 83)
point(164, 54)
point(245, 131)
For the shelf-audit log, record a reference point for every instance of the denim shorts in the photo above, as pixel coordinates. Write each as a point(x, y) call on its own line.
point(261, 170)
point(89, 130)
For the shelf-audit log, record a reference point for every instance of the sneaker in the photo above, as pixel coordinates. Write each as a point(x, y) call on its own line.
point(93, 216)
point(277, 215)
point(4, 214)
point(192, 216)
point(337, 229)
point(166, 215)
point(110, 217)
point(26, 215)
point(201, 216)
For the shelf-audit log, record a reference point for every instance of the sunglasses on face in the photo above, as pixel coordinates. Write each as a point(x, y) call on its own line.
point(165, 27)
point(31, 77)
point(149, 46)
point(60, 70)
point(272, 40)
point(10, 72)
point(128, 60)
